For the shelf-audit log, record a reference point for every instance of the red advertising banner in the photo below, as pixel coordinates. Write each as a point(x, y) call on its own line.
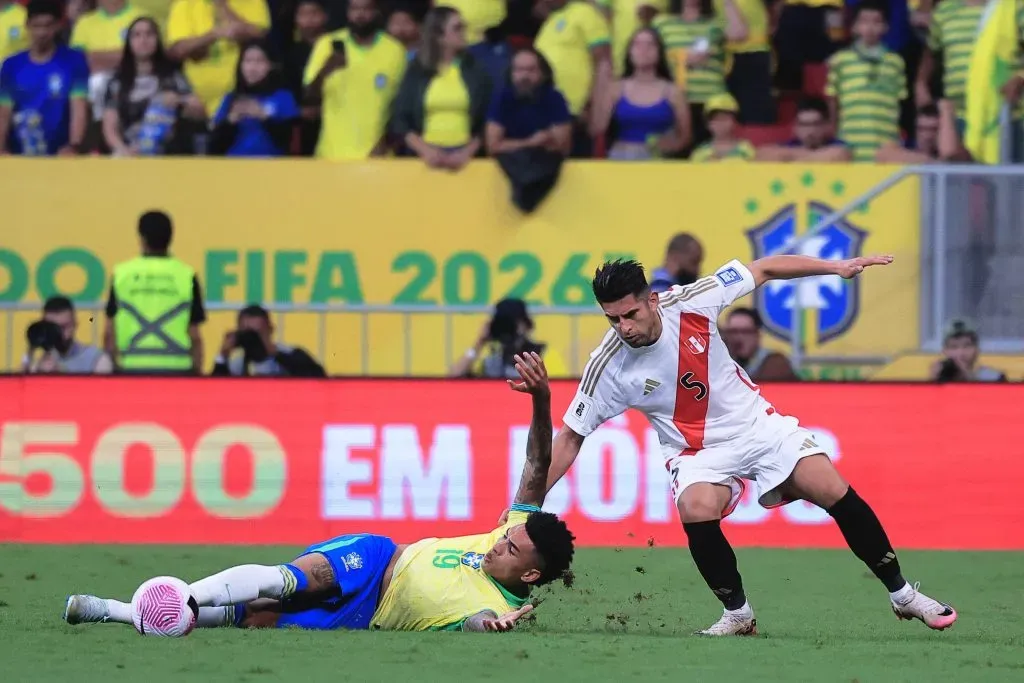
point(127, 460)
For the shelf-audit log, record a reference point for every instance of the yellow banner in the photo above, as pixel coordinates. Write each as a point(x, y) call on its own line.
point(397, 233)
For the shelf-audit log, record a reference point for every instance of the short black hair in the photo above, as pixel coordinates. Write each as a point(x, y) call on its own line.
point(929, 110)
point(254, 311)
point(554, 543)
point(682, 242)
point(616, 279)
point(156, 230)
point(750, 313)
point(871, 6)
point(815, 104)
point(39, 8)
point(58, 304)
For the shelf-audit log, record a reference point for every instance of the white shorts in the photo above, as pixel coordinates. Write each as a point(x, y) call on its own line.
point(767, 456)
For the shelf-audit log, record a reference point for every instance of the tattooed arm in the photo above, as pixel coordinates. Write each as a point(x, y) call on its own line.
point(534, 484)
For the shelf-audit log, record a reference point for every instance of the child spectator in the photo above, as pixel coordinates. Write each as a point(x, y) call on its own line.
point(812, 140)
point(13, 37)
point(866, 84)
point(574, 39)
point(647, 111)
point(354, 73)
point(440, 113)
point(258, 117)
point(43, 108)
point(721, 112)
point(146, 96)
point(695, 39)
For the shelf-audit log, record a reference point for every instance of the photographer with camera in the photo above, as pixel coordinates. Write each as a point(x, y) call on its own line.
point(53, 348)
point(260, 356)
point(960, 364)
point(501, 338)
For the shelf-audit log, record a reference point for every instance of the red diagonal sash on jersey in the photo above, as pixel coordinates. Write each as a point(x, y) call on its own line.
point(692, 385)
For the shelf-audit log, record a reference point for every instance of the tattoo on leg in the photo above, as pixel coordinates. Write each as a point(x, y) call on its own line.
point(322, 574)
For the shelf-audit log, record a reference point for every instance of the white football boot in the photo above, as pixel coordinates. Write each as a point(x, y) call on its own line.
point(936, 615)
point(85, 609)
point(740, 622)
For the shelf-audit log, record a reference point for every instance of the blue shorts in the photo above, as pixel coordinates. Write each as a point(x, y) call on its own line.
point(359, 562)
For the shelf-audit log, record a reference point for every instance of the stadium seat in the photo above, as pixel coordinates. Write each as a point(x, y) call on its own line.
point(766, 135)
point(815, 78)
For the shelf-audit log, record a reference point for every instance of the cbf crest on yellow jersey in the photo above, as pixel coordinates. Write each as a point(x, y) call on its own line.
point(438, 582)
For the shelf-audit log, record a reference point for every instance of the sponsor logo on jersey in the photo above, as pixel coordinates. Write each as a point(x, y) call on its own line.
point(650, 385)
point(834, 302)
point(696, 343)
point(581, 409)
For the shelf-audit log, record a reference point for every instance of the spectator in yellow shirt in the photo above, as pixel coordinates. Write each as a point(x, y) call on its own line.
point(101, 35)
point(205, 35)
point(575, 40)
point(354, 74)
point(721, 112)
point(440, 113)
point(626, 17)
point(13, 36)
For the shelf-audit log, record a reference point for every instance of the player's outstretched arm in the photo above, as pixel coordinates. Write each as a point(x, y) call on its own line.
point(533, 485)
point(788, 267)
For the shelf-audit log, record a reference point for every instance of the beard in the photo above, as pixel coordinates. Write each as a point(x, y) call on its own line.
point(363, 30)
point(685, 276)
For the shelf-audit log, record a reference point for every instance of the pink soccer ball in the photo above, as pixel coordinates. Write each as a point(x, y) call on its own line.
point(164, 607)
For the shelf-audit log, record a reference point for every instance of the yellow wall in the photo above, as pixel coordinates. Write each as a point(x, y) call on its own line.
point(394, 232)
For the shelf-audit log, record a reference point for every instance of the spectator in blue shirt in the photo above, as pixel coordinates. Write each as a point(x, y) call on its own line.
point(257, 118)
point(528, 111)
point(43, 90)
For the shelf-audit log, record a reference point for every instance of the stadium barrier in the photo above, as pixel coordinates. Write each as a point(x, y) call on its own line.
point(122, 460)
point(396, 236)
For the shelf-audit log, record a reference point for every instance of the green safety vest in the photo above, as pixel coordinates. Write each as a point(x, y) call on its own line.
point(154, 299)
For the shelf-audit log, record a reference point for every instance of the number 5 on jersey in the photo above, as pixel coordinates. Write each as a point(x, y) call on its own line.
point(699, 389)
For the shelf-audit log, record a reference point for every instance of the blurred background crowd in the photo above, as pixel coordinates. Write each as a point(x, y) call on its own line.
point(705, 80)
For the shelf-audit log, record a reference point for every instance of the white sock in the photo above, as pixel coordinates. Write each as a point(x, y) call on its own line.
point(746, 609)
point(244, 583)
point(903, 595)
point(119, 612)
point(212, 617)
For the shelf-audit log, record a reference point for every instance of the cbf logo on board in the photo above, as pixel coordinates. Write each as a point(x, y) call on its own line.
point(835, 301)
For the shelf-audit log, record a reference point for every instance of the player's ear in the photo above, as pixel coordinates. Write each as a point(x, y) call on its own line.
point(530, 576)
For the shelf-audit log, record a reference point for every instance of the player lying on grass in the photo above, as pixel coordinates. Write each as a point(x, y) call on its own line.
point(473, 583)
point(665, 358)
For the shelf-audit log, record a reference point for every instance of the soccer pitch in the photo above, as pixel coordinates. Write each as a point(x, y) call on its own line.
point(629, 616)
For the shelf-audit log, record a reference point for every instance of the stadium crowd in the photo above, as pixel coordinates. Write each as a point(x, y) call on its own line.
point(447, 81)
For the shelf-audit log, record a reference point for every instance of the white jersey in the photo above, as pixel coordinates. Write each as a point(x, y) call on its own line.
point(687, 385)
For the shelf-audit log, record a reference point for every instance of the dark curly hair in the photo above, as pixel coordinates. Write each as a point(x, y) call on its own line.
point(617, 279)
point(554, 543)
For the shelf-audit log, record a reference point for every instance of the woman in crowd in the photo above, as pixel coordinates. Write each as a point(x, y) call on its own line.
point(695, 39)
point(441, 108)
point(647, 113)
point(147, 96)
point(258, 117)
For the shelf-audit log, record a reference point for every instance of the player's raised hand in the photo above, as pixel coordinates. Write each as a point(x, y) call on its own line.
point(531, 368)
point(507, 621)
point(850, 268)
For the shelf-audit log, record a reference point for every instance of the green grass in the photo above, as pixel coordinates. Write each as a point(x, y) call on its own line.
point(822, 618)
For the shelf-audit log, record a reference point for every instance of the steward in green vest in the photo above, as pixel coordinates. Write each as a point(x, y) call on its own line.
point(155, 307)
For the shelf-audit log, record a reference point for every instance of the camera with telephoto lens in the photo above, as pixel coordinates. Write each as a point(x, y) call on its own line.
point(252, 345)
point(949, 371)
point(45, 335)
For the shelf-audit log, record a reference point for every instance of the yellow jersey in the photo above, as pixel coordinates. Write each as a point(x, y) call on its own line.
point(446, 109)
point(625, 23)
point(438, 584)
point(98, 31)
point(755, 15)
point(356, 99)
point(157, 10)
point(13, 34)
point(742, 151)
point(566, 40)
point(213, 76)
point(479, 15)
